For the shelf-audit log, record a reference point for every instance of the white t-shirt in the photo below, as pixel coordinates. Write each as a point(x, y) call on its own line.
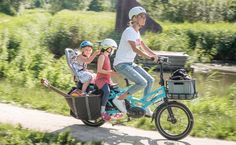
point(125, 52)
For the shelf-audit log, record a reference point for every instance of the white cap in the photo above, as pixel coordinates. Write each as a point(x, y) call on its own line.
point(135, 11)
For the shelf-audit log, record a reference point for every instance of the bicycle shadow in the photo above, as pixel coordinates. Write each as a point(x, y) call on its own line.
point(113, 136)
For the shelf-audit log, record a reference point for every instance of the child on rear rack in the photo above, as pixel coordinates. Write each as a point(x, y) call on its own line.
point(80, 64)
point(104, 72)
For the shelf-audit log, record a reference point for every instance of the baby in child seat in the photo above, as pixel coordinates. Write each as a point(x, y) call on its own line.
point(80, 64)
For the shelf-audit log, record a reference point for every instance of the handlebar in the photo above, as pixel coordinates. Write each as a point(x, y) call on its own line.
point(160, 59)
point(163, 59)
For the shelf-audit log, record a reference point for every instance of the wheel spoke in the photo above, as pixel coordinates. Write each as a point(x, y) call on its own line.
point(178, 124)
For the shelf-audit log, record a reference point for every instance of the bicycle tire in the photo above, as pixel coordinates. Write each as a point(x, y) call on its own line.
point(173, 105)
point(94, 123)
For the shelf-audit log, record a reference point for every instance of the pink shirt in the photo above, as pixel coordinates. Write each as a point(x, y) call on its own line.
point(101, 78)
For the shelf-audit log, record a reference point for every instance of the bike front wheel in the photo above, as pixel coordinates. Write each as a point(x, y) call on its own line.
point(174, 120)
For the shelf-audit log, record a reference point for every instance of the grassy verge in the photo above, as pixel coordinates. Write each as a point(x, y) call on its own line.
point(37, 98)
point(4, 18)
point(10, 135)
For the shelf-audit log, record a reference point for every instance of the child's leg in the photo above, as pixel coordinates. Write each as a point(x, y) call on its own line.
point(106, 93)
point(85, 79)
point(85, 85)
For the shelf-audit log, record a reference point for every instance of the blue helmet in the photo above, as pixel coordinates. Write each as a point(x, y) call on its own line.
point(85, 43)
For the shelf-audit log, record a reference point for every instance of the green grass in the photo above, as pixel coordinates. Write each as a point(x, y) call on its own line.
point(16, 135)
point(37, 98)
point(4, 18)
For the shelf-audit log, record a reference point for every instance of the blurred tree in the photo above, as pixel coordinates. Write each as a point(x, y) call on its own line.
point(113, 5)
point(102, 5)
point(11, 7)
point(192, 10)
point(96, 5)
point(57, 5)
point(39, 3)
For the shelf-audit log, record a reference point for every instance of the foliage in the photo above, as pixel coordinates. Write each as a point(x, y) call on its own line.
point(39, 3)
point(58, 5)
point(215, 105)
point(191, 10)
point(37, 97)
point(23, 60)
point(96, 5)
point(12, 7)
point(17, 135)
point(101, 5)
point(25, 41)
point(69, 29)
point(202, 41)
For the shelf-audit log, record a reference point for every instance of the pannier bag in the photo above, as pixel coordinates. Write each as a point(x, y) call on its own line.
point(180, 86)
point(85, 107)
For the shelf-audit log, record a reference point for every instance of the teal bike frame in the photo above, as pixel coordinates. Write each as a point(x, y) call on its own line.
point(155, 96)
point(151, 98)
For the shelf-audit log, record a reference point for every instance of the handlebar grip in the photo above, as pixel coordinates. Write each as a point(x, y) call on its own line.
point(163, 59)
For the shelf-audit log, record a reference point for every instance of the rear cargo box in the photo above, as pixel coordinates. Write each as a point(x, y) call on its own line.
point(85, 107)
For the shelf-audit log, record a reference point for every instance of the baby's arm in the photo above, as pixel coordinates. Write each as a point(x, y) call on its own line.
point(88, 60)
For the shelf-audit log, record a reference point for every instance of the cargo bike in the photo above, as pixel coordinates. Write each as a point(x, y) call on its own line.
point(172, 118)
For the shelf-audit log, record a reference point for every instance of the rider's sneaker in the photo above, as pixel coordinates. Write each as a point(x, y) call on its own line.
point(149, 112)
point(105, 116)
point(120, 104)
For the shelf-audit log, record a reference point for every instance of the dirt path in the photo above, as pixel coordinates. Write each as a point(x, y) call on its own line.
point(112, 135)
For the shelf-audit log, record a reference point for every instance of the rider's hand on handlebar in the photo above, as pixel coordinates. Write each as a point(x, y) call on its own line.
point(160, 59)
point(154, 58)
point(163, 59)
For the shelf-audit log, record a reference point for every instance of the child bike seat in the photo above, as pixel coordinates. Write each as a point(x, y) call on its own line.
point(70, 58)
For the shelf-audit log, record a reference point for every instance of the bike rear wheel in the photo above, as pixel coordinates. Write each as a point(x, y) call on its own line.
point(94, 123)
point(174, 120)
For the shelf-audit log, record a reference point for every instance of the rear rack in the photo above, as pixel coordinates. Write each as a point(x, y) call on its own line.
point(182, 96)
